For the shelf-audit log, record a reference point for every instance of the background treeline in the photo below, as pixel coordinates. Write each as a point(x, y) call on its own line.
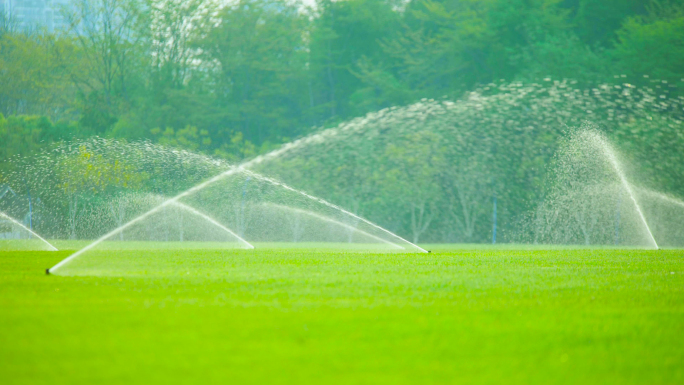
point(486, 89)
point(236, 80)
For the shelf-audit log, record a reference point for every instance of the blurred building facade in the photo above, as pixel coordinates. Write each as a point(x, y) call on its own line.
point(36, 14)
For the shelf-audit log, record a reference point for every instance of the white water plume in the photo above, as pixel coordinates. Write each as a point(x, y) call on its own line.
point(427, 170)
point(332, 206)
point(193, 193)
point(585, 202)
point(334, 222)
point(29, 231)
point(665, 214)
point(661, 196)
point(623, 179)
point(204, 230)
point(214, 222)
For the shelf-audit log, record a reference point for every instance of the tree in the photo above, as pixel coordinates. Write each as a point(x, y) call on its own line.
point(108, 37)
point(175, 27)
point(85, 175)
point(409, 176)
point(188, 138)
point(259, 54)
point(34, 69)
point(344, 35)
point(596, 22)
point(659, 34)
point(24, 135)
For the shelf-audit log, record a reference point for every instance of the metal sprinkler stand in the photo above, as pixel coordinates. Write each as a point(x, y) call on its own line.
point(47, 271)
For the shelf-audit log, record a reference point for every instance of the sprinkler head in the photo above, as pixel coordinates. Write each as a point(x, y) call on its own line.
point(47, 271)
point(429, 251)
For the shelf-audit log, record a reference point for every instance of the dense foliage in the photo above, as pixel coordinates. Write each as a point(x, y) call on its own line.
point(237, 80)
point(265, 71)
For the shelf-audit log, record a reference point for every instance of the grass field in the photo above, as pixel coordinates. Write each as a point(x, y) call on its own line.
point(299, 316)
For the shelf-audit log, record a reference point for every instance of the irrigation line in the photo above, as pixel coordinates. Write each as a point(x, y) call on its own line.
point(29, 230)
point(330, 220)
point(214, 222)
point(662, 196)
point(140, 218)
point(616, 165)
point(316, 138)
point(326, 203)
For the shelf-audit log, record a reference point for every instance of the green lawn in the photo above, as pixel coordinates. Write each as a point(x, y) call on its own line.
point(295, 316)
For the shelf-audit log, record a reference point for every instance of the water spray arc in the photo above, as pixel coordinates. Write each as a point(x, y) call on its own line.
point(259, 159)
point(362, 144)
point(333, 221)
point(605, 146)
point(592, 201)
point(142, 217)
point(242, 168)
point(50, 246)
point(214, 222)
point(122, 228)
point(328, 204)
point(662, 197)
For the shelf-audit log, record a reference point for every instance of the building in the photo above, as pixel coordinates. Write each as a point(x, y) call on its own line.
point(34, 14)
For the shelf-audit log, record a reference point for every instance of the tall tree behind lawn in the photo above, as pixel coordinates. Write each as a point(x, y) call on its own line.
point(345, 36)
point(259, 54)
point(108, 36)
point(34, 72)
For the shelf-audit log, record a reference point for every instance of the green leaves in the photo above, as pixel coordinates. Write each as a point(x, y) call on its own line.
point(652, 46)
